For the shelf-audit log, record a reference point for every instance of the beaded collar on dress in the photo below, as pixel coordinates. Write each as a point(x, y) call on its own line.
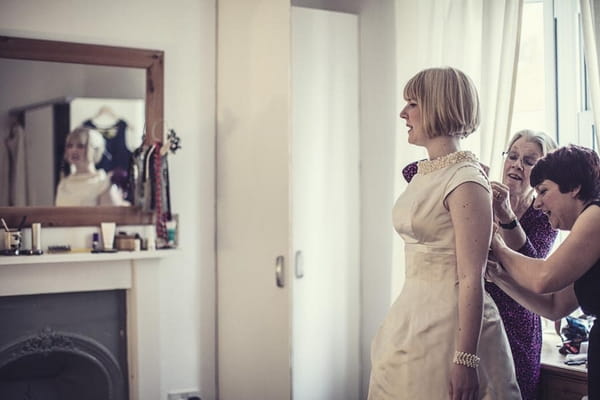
point(427, 166)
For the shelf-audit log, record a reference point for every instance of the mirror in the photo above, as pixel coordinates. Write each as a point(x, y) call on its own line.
point(148, 62)
point(42, 102)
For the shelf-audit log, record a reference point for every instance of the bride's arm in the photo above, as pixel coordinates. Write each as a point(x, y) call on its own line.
point(471, 213)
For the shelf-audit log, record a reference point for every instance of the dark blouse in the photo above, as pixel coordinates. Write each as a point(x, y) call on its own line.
point(523, 327)
point(586, 289)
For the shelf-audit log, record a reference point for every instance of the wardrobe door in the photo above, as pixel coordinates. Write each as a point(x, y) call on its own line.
point(253, 199)
point(325, 223)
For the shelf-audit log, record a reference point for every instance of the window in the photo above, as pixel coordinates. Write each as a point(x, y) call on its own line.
point(552, 92)
point(529, 110)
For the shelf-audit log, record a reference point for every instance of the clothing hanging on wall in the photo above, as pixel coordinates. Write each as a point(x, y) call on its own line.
point(4, 168)
point(116, 155)
point(105, 117)
point(17, 167)
point(35, 146)
point(150, 184)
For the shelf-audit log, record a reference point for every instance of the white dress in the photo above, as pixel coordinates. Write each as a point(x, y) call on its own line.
point(82, 189)
point(412, 353)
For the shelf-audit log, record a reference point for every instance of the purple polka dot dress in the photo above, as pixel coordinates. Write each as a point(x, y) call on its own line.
point(523, 327)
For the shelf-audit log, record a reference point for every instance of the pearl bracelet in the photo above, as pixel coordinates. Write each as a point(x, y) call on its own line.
point(466, 359)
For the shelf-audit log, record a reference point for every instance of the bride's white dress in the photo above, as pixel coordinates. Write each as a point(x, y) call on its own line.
point(412, 353)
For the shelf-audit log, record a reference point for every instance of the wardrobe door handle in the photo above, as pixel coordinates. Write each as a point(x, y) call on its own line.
point(279, 272)
point(299, 264)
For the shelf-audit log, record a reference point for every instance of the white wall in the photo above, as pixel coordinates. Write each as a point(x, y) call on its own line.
point(181, 303)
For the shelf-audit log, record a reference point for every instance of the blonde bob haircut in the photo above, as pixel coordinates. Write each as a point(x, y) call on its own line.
point(448, 100)
point(94, 141)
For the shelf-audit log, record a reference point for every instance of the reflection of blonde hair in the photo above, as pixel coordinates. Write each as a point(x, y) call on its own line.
point(448, 100)
point(92, 138)
point(546, 143)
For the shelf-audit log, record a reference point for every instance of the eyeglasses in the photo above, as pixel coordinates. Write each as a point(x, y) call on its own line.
point(513, 156)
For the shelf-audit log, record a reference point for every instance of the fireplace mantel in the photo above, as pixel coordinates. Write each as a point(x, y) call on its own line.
point(69, 257)
point(136, 272)
point(74, 272)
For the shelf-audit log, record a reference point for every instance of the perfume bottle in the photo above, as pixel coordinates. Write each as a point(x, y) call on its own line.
point(95, 241)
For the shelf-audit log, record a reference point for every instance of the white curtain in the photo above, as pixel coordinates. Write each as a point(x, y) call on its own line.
point(591, 41)
point(480, 37)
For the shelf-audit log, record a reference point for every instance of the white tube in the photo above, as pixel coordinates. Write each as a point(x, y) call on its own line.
point(108, 234)
point(151, 235)
point(36, 236)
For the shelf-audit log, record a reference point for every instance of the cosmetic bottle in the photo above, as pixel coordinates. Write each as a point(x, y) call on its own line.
point(95, 241)
point(36, 238)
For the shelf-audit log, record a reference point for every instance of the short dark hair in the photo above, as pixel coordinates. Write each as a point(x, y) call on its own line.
point(570, 167)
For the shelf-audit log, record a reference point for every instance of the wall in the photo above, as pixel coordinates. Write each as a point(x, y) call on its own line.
point(182, 306)
point(27, 82)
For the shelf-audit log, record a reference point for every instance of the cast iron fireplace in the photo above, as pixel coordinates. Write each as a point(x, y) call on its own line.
point(64, 346)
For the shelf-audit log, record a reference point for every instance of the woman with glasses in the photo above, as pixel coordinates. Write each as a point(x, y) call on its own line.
point(527, 230)
point(567, 182)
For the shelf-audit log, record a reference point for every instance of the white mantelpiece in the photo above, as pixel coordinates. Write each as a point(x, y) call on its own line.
point(79, 270)
point(69, 257)
point(136, 272)
point(59, 273)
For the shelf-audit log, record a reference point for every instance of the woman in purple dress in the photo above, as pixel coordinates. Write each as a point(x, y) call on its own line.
point(526, 230)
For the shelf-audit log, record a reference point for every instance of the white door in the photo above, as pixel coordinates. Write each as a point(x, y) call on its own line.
point(253, 207)
point(325, 168)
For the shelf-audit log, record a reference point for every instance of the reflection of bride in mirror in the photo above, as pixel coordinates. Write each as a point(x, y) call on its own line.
point(86, 185)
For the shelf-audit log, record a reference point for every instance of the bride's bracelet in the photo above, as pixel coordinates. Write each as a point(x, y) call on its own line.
point(466, 359)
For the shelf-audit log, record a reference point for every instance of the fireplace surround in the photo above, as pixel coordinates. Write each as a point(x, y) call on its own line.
point(135, 274)
point(64, 346)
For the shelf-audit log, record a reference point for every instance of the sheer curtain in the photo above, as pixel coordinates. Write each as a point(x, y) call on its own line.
point(591, 41)
point(480, 37)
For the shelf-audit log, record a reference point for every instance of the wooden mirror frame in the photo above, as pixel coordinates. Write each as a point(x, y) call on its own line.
point(152, 61)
